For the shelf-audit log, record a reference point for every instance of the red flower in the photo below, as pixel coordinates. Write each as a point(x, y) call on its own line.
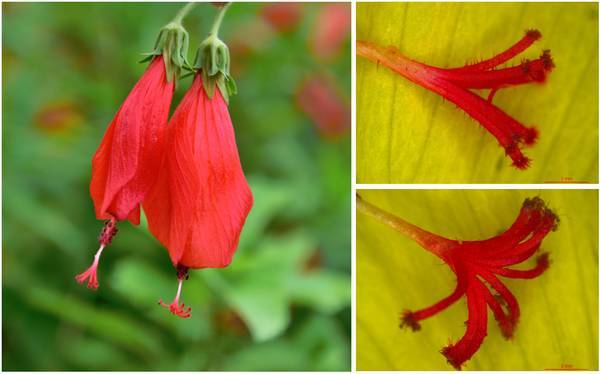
point(331, 30)
point(455, 85)
point(476, 265)
point(320, 99)
point(201, 199)
point(283, 17)
point(123, 168)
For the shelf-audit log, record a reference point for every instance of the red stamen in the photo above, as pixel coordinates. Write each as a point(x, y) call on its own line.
point(465, 348)
point(530, 37)
point(105, 238)
point(504, 322)
point(174, 307)
point(410, 319)
point(476, 264)
point(454, 85)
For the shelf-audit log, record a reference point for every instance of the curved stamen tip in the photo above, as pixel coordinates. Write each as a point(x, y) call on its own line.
point(533, 34)
point(531, 136)
point(450, 357)
point(90, 275)
point(547, 60)
point(508, 329)
point(521, 162)
point(407, 319)
point(543, 261)
point(178, 310)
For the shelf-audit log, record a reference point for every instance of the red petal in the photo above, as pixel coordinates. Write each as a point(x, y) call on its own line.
point(283, 17)
point(320, 98)
point(123, 167)
point(332, 28)
point(201, 199)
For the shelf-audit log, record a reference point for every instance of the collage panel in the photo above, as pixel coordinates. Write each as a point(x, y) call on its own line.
point(176, 186)
point(344, 186)
point(477, 279)
point(477, 92)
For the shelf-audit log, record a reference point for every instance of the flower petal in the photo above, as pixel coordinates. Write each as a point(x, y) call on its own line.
point(201, 199)
point(123, 166)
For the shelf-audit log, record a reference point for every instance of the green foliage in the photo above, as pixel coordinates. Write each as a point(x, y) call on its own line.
point(283, 304)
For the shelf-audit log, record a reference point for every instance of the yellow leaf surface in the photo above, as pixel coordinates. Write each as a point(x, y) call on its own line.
point(407, 134)
point(558, 327)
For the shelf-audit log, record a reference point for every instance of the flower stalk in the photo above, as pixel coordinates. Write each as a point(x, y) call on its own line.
point(213, 61)
point(183, 12)
point(172, 44)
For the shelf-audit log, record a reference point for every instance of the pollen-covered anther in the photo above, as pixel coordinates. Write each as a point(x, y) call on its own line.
point(108, 232)
point(174, 307)
point(105, 238)
point(520, 161)
point(531, 135)
point(546, 59)
point(533, 34)
point(407, 319)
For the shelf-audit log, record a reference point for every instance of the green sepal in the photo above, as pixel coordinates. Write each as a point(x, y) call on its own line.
point(213, 61)
point(173, 44)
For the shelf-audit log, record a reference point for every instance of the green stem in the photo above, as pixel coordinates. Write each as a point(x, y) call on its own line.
point(183, 12)
point(431, 242)
point(214, 30)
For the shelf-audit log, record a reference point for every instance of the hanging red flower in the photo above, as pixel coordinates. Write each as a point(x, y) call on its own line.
point(201, 198)
point(123, 167)
point(320, 98)
point(331, 29)
point(283, 17)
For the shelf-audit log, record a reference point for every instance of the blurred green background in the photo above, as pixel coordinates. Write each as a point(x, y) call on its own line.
point(284, 303)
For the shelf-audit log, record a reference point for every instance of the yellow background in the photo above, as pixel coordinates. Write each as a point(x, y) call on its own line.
point(559, 310)
point(406, 134)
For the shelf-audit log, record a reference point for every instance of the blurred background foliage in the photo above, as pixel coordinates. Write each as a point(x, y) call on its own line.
point(284, 303)
point(558, 326)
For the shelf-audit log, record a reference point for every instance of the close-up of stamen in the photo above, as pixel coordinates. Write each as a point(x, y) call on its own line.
point(455, 85)
point(174, 307)
point(476, 265)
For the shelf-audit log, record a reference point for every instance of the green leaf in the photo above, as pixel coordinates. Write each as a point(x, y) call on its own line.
point(108, 324)
point(407, 134)
point(559, 309)
point(258, 287)
point(333, 292)
point(142, 285)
